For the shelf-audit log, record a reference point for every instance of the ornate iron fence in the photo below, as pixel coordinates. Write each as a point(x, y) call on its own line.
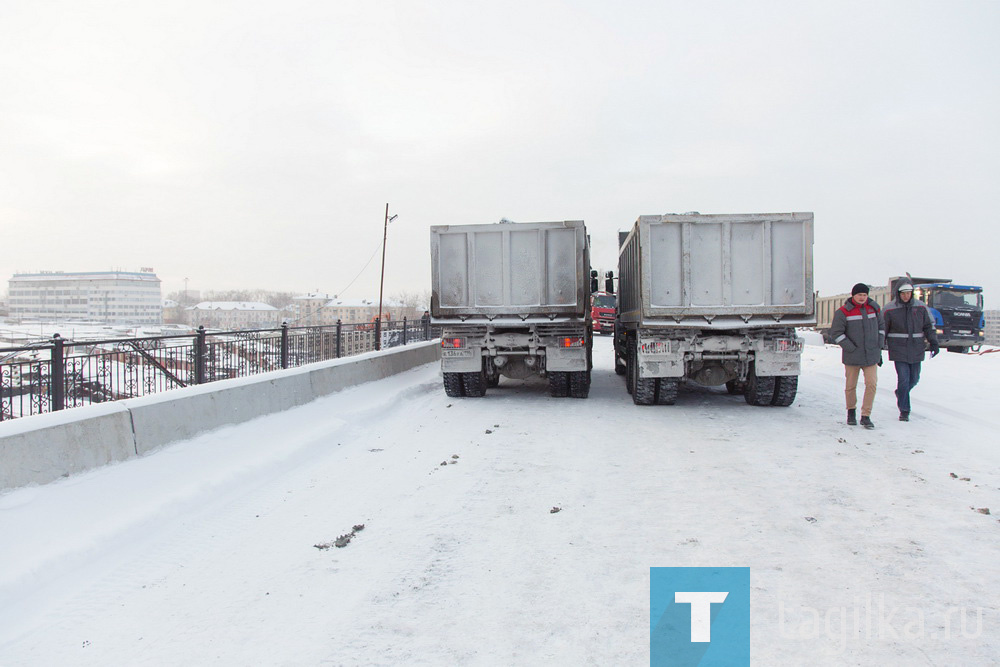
point(62, 373)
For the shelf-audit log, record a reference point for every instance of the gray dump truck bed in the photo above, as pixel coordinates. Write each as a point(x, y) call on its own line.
point(515, 270)
point(718, 271)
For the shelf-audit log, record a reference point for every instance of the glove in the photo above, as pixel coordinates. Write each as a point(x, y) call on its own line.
point(934, 351)
point(880, 360)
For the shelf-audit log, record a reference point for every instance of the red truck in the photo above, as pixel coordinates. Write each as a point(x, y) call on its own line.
point(602, 312)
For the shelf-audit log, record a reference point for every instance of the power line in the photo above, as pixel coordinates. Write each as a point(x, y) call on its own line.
point(377, 248)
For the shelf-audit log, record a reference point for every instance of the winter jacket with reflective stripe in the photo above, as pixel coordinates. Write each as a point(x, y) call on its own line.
point(906, 326)
point(860, 332)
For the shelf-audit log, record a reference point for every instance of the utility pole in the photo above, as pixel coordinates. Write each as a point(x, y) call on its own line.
point(381, 282)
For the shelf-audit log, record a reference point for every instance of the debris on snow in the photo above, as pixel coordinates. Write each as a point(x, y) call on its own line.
point(454, 456)
point(555, 509)
point(488, 431)
point(810, 519)
point(343, 540)
point(953, 475)
point(983, 510)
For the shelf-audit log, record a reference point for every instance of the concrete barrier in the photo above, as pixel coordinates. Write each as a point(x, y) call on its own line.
point(160, 419)
point(330, 376)
point(43, 448)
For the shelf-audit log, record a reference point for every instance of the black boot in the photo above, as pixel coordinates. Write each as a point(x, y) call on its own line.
point(867, 423)
point(904, 416)
point(852, 417)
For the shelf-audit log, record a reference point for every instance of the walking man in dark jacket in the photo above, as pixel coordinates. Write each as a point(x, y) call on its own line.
point(858, 329)
point(908, 323)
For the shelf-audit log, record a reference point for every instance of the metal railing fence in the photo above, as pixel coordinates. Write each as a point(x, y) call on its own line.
point(62, 373)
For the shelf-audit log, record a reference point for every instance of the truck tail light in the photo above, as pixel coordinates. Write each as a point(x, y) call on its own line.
point(570, 342)
point(655, 347)
point(788, 345)
point(453, 343)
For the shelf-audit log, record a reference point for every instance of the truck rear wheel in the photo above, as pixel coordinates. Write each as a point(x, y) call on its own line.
point(785, 387)
point(643, 389)
point(558, 384)
point(629, 363)
point(474, 384)
point(579, 384)
point(667, 390)
point(760, 389)
point(453, 385)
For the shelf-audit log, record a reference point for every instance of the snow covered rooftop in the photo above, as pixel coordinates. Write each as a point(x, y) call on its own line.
point(84, 275)
point(312, 296)
point(231, 305)
point(352, 303)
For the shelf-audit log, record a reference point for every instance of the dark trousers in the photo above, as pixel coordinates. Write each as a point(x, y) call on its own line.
point(907, 377)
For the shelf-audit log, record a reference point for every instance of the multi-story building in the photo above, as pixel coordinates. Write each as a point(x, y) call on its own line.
point(109, 297)
point(307, 310)
point(231, 315)
point(991, 334)
point(351, 311)
point(317, 308)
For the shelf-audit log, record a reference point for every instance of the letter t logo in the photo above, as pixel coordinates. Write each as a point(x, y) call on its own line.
point(701, 611)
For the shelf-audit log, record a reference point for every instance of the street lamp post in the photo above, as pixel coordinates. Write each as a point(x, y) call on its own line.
point(381, 282)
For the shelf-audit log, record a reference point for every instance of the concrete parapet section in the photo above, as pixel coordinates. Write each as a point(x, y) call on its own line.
point(43, 448)
point(160, 419)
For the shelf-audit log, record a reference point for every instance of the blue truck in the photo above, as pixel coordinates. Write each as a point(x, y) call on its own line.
point(957, 311)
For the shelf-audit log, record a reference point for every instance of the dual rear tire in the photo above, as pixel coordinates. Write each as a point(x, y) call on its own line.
point(471, 385)
point(777, 390)
point(575, 384)
point(647, 391)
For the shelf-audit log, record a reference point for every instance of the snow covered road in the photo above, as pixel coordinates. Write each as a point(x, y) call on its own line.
point(203, 552)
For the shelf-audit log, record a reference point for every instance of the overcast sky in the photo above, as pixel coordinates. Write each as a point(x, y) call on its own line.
point(255, 144)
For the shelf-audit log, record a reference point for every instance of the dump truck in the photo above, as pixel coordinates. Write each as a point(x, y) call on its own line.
point(512, 300)
point(714, 300)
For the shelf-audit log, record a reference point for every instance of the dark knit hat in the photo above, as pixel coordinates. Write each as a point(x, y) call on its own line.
point(860, 288)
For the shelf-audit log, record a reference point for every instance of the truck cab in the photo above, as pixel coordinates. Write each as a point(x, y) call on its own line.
point(957, 312)
point(602, 312)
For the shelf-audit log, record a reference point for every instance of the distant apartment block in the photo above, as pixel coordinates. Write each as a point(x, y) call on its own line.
point(991, 334)
point(109, 297)
point(233, 315)
point(317, 308)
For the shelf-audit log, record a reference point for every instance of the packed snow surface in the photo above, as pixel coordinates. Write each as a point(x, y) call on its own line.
point(865, 547)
